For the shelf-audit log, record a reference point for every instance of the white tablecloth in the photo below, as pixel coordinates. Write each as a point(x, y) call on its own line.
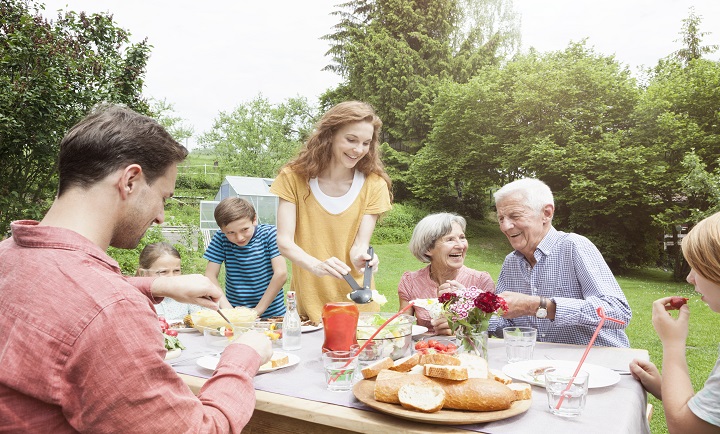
point(615, 409)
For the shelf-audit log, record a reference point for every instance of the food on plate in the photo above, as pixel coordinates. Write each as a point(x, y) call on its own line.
point(188, 321)
point(539, 371)
point(446, 372)
point(522, 390)
point(239, 316)
point(677, 302)
point(436, 345)
point(372, 370)
point(427, 398)
point(170, 336)
point(406, 363)
point(277, 360)
point(474, 394)
point(439, 359)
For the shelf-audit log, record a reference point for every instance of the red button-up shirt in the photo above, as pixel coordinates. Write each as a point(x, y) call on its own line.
point(81, 349)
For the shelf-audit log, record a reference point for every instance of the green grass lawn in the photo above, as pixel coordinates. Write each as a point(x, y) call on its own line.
point(487, 250)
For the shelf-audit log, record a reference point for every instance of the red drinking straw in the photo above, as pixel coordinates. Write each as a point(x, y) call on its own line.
point(371, 338)
point(602, 316)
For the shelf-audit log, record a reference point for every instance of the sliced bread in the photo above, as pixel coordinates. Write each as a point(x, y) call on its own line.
point(439, 359)
point(446, 372)
point(427, 398)
point(277, 360)
point(521, 390)
point(406, 363)
point(498, 375)
point(477, 366)
point(372, 370)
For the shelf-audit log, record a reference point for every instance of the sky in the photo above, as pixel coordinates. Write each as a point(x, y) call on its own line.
point(212, 56)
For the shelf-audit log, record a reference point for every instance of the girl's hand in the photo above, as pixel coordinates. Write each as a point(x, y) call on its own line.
point(648, 375)
point(670, 330)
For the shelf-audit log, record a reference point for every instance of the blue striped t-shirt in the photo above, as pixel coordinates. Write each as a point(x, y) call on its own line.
point(248, 269)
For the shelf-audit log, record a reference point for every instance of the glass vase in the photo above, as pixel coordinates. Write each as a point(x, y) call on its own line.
point(473, 342)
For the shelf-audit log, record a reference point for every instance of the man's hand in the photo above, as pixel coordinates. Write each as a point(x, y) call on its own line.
point(258, 342)
point(520, 304)
point(441, 326)
point(189, 288)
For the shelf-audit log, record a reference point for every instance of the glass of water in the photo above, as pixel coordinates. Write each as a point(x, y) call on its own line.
point(519, 343)
point(340, 367)
point(556, 385)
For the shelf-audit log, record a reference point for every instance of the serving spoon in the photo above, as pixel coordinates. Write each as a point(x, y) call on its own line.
point(362, 295)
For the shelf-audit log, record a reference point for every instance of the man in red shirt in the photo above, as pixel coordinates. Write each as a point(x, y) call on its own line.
point(80, 345)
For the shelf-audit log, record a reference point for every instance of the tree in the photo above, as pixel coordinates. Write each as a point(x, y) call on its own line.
point(395, 54)
point(164, 112)
point(692, 38)
point(51, 75)
point(258, 138)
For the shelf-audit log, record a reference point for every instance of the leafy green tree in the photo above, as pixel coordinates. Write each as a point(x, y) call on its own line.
point(258, 138)
point(164, 112)
point(692, 38)
point(51, 75)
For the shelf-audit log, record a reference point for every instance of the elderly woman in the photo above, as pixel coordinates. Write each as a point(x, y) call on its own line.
point(439, 239)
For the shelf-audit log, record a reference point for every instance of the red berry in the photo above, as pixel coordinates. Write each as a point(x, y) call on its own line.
point(677, 302)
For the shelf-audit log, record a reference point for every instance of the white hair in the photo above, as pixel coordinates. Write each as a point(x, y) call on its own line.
point(534, 193)
point(430, 229)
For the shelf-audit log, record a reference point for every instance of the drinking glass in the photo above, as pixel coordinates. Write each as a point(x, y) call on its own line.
point(556, 384)
point(340, 367)
point(519, 343)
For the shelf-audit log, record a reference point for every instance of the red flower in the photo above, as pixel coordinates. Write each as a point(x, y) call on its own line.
point(444, 298)
point(487, 302)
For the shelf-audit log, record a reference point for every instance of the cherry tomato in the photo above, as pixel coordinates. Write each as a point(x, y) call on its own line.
point(431, 343)
point(171, 332)
point(440, 348)
point(451, 348)
point(421, 345)
point(228, 333)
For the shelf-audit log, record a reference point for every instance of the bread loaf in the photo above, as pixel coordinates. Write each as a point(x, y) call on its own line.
point(474, 394)
point(446, 371)
point(372, 370)
point(406, 363)
point(439, 359)
point(427, 398)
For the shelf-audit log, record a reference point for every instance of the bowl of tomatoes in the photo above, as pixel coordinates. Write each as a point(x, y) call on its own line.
point(436, 344)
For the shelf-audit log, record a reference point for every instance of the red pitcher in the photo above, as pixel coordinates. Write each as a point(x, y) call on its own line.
point(340, 326)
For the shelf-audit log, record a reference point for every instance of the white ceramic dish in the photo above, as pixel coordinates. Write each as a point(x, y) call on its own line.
point(210, 362)
point(418, 329)
point(599, 376)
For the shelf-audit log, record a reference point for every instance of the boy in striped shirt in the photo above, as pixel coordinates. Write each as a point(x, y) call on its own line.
point(254, 270)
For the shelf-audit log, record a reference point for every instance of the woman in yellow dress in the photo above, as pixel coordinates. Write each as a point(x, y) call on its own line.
point(331, 196)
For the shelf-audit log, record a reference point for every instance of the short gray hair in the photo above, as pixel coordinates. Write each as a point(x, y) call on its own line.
point(430, 229)
point(535, 193)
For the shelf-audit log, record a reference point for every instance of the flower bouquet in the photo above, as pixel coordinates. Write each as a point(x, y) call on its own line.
point(468, 313)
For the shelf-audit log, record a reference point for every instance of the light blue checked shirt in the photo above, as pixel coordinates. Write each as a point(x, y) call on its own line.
point(571, 271)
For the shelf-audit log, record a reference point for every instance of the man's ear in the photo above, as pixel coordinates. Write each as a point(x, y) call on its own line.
point(129, 180)
point(548, 212)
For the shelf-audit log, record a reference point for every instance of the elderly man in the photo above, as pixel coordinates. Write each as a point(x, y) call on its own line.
point(554, 281)
point(80, 344)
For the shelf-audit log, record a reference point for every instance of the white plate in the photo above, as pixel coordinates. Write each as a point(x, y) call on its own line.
point(185, 329)
point(210, 362)
point(418, 330)
point(310, 328)
point(599, 376)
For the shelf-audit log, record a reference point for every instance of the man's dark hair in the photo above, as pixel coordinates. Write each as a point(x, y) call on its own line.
point(112, 137)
